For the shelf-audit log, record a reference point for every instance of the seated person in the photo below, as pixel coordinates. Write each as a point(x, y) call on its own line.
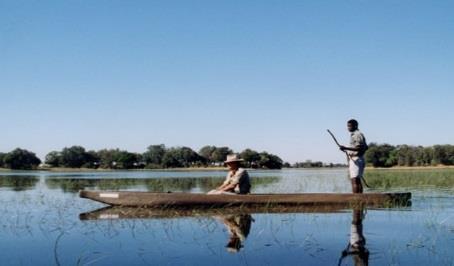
point(237, 180)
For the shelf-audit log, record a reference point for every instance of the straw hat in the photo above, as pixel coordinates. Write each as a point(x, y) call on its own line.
point(234, 245)
point(233, 158)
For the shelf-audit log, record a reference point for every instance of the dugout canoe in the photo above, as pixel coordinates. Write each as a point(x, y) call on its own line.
point(185, 200)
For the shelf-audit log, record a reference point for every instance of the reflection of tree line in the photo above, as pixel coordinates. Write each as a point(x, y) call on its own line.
point(154, 185)
point(18, 183)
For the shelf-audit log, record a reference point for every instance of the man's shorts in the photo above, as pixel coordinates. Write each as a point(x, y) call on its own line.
point(356, 167)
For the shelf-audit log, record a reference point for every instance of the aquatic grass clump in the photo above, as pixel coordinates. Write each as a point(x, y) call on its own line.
point(408, 178)
point(185, 184)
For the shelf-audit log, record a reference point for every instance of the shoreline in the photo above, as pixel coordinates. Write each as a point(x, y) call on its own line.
point(63, 169)
point(437, 167)
point(81, 170)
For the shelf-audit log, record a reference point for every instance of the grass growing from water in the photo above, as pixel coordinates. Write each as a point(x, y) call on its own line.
point(410, 178)
point(153, 184)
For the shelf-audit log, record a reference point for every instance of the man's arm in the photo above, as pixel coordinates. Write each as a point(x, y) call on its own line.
point(344, 148)
point(357, 144)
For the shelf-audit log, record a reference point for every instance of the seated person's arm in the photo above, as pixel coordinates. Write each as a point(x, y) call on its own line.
point(227, 187)
point(230, 185)
point(234, 181)
point(224, 184)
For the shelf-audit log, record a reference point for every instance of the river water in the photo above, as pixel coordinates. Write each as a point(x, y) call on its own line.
point(44, 222)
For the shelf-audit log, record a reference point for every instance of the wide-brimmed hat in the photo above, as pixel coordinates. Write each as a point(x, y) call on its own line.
point(234, 244)
point(233, 158)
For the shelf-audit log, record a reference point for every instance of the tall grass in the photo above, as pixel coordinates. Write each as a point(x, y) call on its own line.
point(152, 184)
point(410, 178)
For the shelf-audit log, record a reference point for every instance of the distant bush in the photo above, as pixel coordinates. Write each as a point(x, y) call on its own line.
point(385, 155)
point(20, 159)
point(2, 157)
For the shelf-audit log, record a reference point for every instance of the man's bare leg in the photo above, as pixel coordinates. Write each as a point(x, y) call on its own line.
point(357, 187)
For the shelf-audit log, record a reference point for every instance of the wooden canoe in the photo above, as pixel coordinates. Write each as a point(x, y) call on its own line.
point(185, 200)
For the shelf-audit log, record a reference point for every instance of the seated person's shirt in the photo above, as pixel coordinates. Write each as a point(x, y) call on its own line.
point(240, 179)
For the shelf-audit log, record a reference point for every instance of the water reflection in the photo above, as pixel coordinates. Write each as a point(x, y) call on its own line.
point(238, 227)
point(166, 213)
point(356, 248)
point(18, 183)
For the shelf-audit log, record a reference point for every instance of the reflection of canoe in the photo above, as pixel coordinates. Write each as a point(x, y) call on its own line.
point(119, 212)
point(151, 199)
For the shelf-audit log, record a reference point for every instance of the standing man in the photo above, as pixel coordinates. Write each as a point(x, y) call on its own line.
point(355, 155)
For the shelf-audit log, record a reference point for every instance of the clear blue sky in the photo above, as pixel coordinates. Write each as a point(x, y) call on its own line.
point(268, 75)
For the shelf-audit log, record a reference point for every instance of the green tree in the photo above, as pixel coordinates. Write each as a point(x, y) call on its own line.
point(379, 155)
point(428, 155)
point(74, 157)
point(53, 159)
point(449, 155)
point(170, 160)
point(207, 152)
point(181, 157)
point(108, 158)
point(309, 164)
point(127, 160)
point(2, 157)
point(220, 154)
point(269, 161)
point(92, 160)
point(250, 157)
point(443, 154)
point(385, 155)
point(154, 154)
point(21, 159)
point(418, 155)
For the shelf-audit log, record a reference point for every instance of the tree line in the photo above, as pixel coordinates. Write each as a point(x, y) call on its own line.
point(386, 155)
point(160, 156)
point(155, 157)
point(315, 164)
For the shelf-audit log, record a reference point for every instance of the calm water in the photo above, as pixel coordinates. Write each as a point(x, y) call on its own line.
point(40, 224)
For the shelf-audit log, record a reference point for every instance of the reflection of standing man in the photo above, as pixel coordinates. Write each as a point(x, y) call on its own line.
point(356, 247)
point(239, 227)
point(355, 153)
